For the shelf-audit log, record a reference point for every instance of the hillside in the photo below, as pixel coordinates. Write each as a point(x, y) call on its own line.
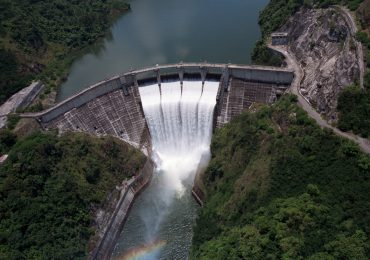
point(50, 188)
point(354, 103)
point(277, 13)
point(345, 106)
point(279, 187)
point(39, 39)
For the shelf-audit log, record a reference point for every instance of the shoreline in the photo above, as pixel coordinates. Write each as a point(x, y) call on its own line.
point(75, 55)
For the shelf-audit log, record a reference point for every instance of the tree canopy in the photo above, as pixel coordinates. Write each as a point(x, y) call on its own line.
point(39, 35)
point(279, 187)
point(49, 188)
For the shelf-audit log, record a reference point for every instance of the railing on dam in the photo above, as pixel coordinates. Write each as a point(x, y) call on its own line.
point(180, 71)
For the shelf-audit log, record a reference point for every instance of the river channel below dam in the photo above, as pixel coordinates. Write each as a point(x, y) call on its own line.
point(180, 120)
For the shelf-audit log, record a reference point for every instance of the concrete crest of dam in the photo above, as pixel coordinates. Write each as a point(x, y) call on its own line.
point(169, 113)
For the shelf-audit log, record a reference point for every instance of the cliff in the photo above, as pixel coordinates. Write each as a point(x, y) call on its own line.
point(324, 45)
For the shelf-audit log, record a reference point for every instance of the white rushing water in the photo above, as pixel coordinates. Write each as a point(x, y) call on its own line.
point(160, 223)
point(180, 124)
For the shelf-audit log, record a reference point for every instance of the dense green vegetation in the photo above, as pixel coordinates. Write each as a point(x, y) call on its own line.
point(354, 110)
point(353, 102)
point(280, 187)
point(39, 37)
point(49, 187)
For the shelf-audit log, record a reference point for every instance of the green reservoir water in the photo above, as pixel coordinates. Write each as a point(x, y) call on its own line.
point(170, 31)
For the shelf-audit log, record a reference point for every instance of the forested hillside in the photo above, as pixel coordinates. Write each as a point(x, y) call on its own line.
point(49, 187)
point(280, 187)
point(39, 39)
point(353, 103)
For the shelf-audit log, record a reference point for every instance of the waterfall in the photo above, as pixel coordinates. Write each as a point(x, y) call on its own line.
point(180, 121)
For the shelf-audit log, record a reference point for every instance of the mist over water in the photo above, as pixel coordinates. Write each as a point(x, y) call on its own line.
point(180, 122)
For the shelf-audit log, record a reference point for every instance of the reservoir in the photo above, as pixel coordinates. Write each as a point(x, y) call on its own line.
point(160, 222)
point(170, 31)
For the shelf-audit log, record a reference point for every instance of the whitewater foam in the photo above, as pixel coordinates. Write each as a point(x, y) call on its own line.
point(180, 122)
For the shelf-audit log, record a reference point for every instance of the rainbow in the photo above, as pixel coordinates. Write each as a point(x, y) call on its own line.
point(142, 252)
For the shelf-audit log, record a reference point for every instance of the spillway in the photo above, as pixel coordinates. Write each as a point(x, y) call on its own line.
point(180, 120)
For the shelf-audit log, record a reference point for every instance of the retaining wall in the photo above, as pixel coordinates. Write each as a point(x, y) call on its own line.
point(106, 245)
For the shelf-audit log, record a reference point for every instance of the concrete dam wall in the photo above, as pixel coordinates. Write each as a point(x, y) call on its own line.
point(113, 107)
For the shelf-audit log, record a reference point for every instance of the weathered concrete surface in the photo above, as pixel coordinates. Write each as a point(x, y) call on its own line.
point(323, 44)
point(19, 100)
point(241, 94)
point(114, 114)
point(111, 227)
point(127, 80)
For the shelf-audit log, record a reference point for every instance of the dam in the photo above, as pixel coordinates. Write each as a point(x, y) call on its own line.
point(169, 113)
point(114, 107)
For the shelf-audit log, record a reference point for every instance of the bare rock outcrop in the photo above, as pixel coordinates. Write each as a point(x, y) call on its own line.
point(325, 48)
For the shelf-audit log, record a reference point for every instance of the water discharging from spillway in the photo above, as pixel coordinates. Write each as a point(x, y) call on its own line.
point(180, 122)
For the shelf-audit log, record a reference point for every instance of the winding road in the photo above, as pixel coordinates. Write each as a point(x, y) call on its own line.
point(293, 64)
point(360, 54)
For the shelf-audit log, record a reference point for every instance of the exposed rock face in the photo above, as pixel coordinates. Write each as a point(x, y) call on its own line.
point(322, 43)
